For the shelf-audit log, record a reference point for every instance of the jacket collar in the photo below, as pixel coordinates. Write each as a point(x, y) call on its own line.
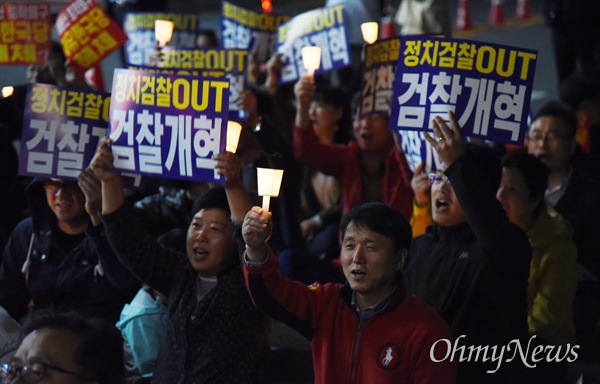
point(395, 299)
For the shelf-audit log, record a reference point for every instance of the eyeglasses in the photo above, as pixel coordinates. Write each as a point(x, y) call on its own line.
point(436, 178)
point(32, 373)
point(53, 186)
point(552, 137)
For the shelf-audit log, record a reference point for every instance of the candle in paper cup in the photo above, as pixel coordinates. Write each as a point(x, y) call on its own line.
point(311, 58)
point(269, 182)
point(163, 31)
point(233, 135)
point(369, 31)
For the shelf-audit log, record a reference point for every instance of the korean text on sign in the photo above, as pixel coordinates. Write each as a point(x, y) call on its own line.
point(322, 27)
point(168, 126)
point(379, 69)
point(139, 27)
point(87, 33)
point(24, 33)
point(253, 31)
point(61, 130)
point(488, 87)
point(211, 62)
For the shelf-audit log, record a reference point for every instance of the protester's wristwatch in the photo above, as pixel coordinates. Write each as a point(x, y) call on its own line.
point(258, 125)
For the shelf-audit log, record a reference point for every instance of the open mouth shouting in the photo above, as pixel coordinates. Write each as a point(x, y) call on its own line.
point(358, 274)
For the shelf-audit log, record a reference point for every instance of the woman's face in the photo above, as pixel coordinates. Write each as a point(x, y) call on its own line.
point(210, 242)
point(324, 118)
point(513, 194)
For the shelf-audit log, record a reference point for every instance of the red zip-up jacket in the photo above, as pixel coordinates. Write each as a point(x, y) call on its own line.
point(392, 346)
point(342, 162)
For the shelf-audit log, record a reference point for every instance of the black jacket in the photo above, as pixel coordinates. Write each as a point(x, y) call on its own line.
point(89, 279)
point(474, 274)
point(219, 339)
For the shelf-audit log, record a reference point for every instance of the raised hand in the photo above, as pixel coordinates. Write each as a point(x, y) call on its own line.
point(228, 164)
point(256, 230)
point(103, 162)
point(92, 189)
point(247, 101)
point(421, 184)
point(448, 142)
point(112, 186)
point(305, 92)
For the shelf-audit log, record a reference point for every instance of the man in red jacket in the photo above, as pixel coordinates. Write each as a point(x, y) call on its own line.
point(368, 330)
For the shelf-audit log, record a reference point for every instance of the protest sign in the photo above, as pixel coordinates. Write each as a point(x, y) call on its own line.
point(24, 33)
point(87, 34)
point(211, 62)
point(322, 27)
point(379, 68)
point(140, 49)
point(377, 86)
point(61, 130)
point(168, 126)
point(487, 86)
point(255, 32)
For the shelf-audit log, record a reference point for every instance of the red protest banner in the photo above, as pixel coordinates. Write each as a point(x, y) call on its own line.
point(87, 33)
point(24, 33)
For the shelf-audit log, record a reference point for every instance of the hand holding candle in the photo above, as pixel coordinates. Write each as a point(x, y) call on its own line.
point(311, 58)
point(269, 182)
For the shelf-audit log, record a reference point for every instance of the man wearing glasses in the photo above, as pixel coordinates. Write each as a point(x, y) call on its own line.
point(575, 196)
point(66, 348)
point(59, 257)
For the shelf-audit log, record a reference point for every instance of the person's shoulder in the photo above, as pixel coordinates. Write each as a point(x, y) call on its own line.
point(559, 226)
point(584, 186)
point(421, 315)
point(24, 227)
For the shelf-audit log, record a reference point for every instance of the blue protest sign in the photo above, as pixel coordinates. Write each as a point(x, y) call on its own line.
point(322, 27)
point(61, 130)
point(167, 125)
point(140, 49)
point(487, 86)
point(255, 32)
point(211, 62)
point(378, 72)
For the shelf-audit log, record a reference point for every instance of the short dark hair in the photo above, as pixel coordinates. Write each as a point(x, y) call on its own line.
point(579, 87)
point(561, 110)
point(100, 350)
point(534, 172)
point(212, 198)
point(337, 98)
point(382, 219)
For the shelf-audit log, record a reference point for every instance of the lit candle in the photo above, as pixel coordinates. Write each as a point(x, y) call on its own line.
point(7, 91)
point(233, 135)
point(163, 31)
point(369, 31)
point(269, 182)
point(311, 58)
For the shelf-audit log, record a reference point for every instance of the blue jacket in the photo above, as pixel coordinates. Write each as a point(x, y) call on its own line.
point(89, 279)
